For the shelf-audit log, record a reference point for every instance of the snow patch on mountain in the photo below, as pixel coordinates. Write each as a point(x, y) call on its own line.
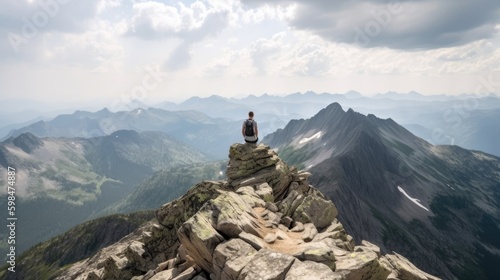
point(307, 139)
point(414, 200)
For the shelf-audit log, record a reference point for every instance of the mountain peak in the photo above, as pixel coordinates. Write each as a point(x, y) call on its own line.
point(264, 221)
point(330, 110)
point(27, 142)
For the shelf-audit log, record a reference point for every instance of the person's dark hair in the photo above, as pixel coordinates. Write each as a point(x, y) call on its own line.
point(250, 114)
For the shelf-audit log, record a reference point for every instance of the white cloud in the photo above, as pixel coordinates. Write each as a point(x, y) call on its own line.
point(98, 49)
point(25, 24)
point(294, 53)
point(397, 24)
point(230, 64)
point(192, 24)
point(106, 4)
point(154, 20)
point(268, 12)
point(229, 47)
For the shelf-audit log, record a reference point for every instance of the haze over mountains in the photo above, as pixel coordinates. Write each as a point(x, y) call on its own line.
point(466, 120)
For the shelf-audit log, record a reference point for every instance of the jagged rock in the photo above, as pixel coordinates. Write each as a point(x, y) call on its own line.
point(299, 227)
point(311, 271)
point(270, 237)
point(288, 205)
point(286, 221)
point(347, 244)
point(267, 264)
point(187, 274)
point(315, 192)
point(162, 275)
point(239, 229)
point(138, 257)
point(250, 195)
point(371, 246)
point(173, 214)
point(265, 192)
point(115, 268)
point(273, 218)
point(316, 210)
point(231, 257)
point(309, 233)
point(301, 187)
point(246, 160)
point(228, 214)
point(252, 166)
point(93, 275)
point(315, 251)
point(361, 265)
point(199, 237)
point(405, 270)
point(253, 240)
point(271, 207)
point(234, 215)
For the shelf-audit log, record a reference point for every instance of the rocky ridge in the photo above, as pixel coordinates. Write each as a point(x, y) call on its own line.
point(265, 221)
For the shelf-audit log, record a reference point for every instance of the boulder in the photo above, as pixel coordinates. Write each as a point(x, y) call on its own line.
point(162, 275)
point(405, 270)
point(253, 240)
point(200, 237)
point(175, 213)
point(245, 160)
point(265, 192)
point(316, 210)
point(311, 271)
point(314, 251)
point(309, 233)
point(362, 264)
point(230, 258)
point(234, 215)
point(267, 264)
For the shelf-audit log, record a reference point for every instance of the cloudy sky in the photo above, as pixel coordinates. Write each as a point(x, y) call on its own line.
point(109, 50)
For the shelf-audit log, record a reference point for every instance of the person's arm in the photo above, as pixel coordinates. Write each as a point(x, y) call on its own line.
point(243, 130)
point(256, 130)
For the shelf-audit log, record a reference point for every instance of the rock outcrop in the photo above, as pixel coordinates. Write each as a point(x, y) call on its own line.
point(264, 222)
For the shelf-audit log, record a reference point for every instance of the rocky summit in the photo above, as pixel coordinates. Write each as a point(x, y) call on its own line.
point(265, 221)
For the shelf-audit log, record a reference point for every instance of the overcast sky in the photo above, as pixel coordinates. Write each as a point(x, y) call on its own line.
point(109, 50)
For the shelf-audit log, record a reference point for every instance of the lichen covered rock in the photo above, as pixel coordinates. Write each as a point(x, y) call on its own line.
point(264, 222)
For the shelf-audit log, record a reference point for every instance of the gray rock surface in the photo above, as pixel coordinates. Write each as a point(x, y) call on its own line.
point(240, 229)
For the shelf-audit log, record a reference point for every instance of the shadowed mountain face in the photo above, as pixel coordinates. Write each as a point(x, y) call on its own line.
point(437, 205)
point(61, 182)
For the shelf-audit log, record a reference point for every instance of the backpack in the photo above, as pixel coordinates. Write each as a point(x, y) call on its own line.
point(249, 128)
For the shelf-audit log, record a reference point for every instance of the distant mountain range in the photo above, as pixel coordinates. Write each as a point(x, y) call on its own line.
point(64, 181)
point(211, 124)
point(466, 120)
point(191, 127)
point(437, 205)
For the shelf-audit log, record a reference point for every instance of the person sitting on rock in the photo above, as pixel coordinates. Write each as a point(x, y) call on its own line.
point(249, 130)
